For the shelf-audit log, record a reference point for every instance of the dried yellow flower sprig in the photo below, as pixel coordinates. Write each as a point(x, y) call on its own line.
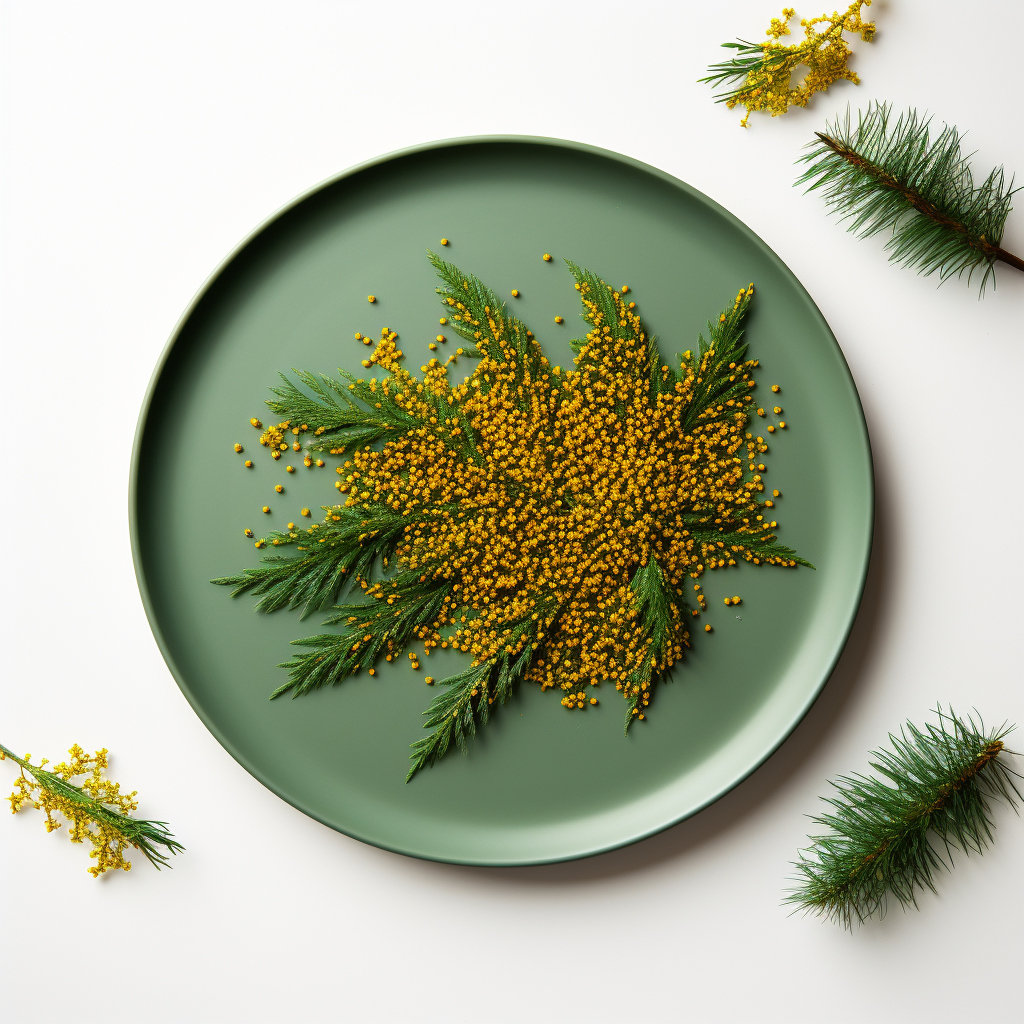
point(766, 69)
point(551, 522)
point(96, 810)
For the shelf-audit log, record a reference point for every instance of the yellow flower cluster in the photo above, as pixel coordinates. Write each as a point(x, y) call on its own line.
point(824, 53)
point(85, 817)
point(539, 491)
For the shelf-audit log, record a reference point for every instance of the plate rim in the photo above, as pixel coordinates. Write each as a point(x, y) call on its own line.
point(225, 263)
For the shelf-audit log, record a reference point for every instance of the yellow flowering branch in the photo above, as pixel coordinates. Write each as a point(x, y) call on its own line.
point(96, 810)
point(765, 70)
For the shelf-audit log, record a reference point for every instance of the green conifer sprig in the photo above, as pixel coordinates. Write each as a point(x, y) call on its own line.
point(885, 176)
point(887, 836)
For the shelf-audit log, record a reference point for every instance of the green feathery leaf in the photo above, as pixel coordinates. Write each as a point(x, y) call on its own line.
point(662, 615)
point(887, 836)
point(881, 176)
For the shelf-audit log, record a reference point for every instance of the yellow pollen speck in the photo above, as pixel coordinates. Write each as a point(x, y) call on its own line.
point(559, 320)
point(547, 257)
point(444, 241)
point(371, 298)
point(515, 293)
point(248, 463)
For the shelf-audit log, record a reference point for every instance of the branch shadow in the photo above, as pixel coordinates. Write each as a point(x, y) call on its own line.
point(808, 737)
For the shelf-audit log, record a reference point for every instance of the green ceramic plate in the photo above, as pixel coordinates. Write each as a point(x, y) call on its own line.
point(539, 783)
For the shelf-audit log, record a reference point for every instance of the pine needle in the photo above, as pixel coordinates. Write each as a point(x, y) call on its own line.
point(887, 836)
point(881, 176)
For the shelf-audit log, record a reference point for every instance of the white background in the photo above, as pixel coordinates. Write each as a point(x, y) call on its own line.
point(141, 141)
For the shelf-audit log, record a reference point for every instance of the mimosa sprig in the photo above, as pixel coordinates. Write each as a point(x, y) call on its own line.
point(96, 810)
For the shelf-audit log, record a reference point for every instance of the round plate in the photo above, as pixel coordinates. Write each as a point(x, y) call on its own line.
point(539, 783)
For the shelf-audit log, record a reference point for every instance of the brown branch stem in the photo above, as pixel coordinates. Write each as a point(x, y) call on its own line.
point(919, 203)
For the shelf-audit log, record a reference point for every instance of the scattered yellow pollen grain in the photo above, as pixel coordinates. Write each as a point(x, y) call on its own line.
point(304, 512)
point(248, 532)
point(776, 494)
point(279, 488)
point(266, 508)
point(777, 410)
point(547, 257)
point(625, 288)
point(444, 241)
point(261, 543)
point(429, 680)
point(776, 388)
point(432, 347)
point(559, 319)
point(256, 423)
point(440, 337)
point(782, 424)
point(515, 293)
point(771, 429)
point(371, 298)
point(289, 469)
point(443, 321)
point(248, 463)
point(707, 628)
point(238, 447)
point(359, 336)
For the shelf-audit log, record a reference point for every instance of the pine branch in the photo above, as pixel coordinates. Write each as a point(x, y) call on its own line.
point(718, 391)
point(475, 313)
point(345, 547)
point(406, 605)
point(662, 617)
point(466, 699)
point(880, 176)
point(760, 544)
point(338, 421)
point(888, 836)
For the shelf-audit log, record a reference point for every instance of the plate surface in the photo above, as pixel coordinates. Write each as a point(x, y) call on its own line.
point(539, 783)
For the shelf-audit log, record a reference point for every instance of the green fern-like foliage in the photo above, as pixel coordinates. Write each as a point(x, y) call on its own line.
point(885, 175)
point(887, 836)
point(552, 524)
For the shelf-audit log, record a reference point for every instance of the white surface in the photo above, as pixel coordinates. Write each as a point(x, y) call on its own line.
point(140, 143)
